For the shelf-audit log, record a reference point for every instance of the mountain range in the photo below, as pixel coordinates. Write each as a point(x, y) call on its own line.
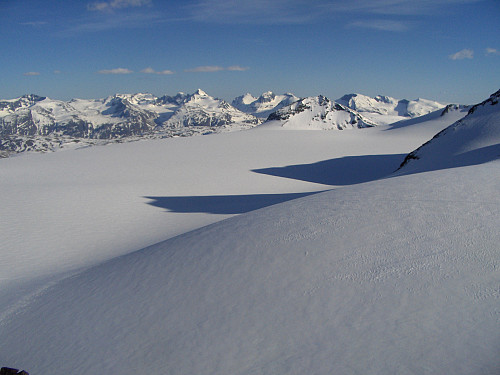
point(36, 123)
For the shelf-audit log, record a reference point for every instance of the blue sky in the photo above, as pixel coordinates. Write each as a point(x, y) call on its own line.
point(445, 50)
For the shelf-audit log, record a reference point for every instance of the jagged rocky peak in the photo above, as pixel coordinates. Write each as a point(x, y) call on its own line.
point(22, 102)
point(264, 105)
point(318, 112)
point(177, 99)
point(138, 98)
point(200, 93)
point(266, 97)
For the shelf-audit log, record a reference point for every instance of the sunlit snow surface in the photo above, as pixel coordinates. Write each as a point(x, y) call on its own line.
point(377, 276)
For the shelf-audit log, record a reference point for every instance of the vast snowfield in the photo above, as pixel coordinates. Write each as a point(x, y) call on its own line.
point(265, 251)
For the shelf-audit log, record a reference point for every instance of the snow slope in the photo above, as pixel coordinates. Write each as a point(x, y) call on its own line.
point(392, 276)
point(474, 139)
point(398, 275)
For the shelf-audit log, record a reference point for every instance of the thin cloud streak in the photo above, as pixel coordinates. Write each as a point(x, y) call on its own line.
point(237, 68)
point(393, 7)
point(254, 12)
point(34, 23)
point(122, 21)
point(115, 71)
point(463, 54)
point(161, 72)
point(382, 25)
point(28, 74)
point(302, 11)
point(215, 68)
point(105, 6)
point(205, 69)
point(492, 51)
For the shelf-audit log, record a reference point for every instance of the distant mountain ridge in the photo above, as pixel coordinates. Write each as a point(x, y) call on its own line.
point(385, 109)
point(38, 123)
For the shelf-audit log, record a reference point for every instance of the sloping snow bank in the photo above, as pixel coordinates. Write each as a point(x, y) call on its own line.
point(392, 276)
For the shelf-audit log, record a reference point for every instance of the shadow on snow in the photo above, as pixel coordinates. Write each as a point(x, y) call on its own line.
point(222, 204)
point(347, 170)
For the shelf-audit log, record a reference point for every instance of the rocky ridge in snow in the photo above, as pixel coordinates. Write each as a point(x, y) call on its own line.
point(318, 112)
point(265, 104)
point(24, 120)
point(472, 139)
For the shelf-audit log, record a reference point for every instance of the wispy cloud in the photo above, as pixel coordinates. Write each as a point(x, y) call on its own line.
point(463, 54)
point(216, 68)
point(117, 21)
point(106, 6)
point(115, 71)
point(31, 74)
point(305, 11)
point(379, 24)
point(152, 71)
point(237, 68)
point(393, 7)
point(34, 23)
point(57, 72)
point(492, 51)
point(205, 69)
point(255, 11)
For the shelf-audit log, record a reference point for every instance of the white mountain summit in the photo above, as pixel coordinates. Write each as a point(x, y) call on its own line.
point(264, 105)
point(318, 112)
point(385, 110)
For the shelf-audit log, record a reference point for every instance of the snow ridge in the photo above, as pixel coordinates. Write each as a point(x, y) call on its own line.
point(473, 139)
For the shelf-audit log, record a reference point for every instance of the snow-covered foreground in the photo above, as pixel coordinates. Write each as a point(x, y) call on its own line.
point(398, 275)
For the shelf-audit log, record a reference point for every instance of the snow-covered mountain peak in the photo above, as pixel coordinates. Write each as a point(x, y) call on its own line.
point(318, 112)
point(138, 98)
point(264, 105)
point(22, 102)
point(200, 93)
point(385, 109)
point(266, 97)
point(244, 99)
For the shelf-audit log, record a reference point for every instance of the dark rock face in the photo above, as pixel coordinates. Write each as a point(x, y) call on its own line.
point(12, 371)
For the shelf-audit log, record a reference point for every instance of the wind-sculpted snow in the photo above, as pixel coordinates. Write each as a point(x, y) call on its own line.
point(393, 276)
point(473, 139)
